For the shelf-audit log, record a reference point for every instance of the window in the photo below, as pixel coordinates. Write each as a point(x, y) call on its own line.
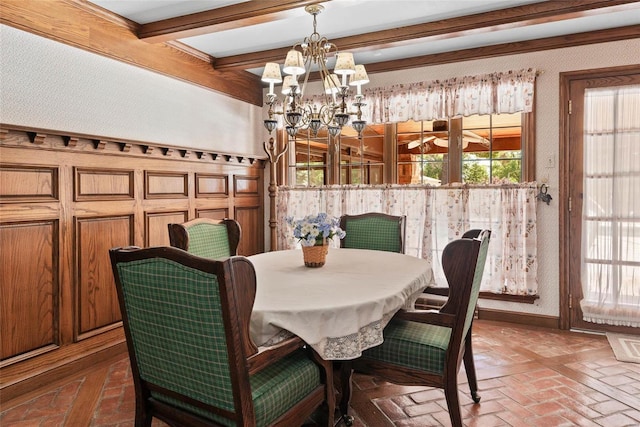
point(361, 159)
point(421, 156)
point(492, 149)
point(345, 159)
point(489, 149)
point(309, 165)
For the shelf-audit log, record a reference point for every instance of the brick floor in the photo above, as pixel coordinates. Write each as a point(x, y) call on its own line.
point(527, 377)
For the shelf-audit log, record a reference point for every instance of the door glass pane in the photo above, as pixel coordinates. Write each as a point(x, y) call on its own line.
point(611, 206)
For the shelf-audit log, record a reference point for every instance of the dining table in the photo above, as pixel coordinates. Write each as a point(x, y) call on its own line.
point(339, 309)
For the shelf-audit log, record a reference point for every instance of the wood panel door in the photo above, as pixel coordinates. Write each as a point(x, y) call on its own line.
point(588, 212)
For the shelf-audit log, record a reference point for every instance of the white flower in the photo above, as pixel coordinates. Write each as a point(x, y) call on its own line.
point(312, 229)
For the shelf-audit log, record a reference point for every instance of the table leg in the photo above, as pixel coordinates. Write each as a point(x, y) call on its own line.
point(346, 369)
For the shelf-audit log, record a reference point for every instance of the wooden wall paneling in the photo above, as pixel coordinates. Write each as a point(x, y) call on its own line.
point(250, 219)
point(216, 204)
point(103, 184)
point(96, 297)
point(29, 314)
point(249, 212)
point(77, 209)
point(20, 183)
point(211, 185)
point(166, 185)
point(67, 244)
point(156, 226)
point(27, 192)
point(219, 213)
point(246, 185)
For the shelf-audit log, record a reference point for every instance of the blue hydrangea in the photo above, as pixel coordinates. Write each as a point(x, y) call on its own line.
point(312, 229)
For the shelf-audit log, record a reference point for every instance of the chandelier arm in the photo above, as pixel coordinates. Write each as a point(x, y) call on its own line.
point(326, 114)
point(308, 62)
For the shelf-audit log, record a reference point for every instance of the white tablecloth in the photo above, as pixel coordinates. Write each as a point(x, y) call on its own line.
point(339, 309)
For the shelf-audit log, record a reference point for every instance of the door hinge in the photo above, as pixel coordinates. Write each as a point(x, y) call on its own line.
point(569, 204)
point(570, 302)
point(570, 105)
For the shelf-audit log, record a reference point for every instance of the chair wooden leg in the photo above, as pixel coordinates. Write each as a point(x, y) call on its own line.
point(453, 402)
point(470, 368)
point(143, 419)
point(346, 371)
point(330, 396)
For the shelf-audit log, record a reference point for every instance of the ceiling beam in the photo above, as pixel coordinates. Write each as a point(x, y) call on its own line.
point(557, 42)
point(79, 24)
point(531, 14)
point(220, 19)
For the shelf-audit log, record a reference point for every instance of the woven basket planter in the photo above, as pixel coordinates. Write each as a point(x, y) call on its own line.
point(315, 256)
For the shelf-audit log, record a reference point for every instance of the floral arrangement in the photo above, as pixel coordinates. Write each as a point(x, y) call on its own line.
point(312, 229)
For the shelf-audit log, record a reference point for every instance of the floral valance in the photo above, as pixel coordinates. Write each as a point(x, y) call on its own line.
point(495, 93)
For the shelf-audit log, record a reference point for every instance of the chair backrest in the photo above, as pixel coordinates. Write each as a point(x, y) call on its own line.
point(463, 262)
point(186, 321)
point(206, 237)
point(374, 230)
point(472, 234)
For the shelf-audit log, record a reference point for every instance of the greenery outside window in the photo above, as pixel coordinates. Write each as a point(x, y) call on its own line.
point(475, 149)
point(492, 149)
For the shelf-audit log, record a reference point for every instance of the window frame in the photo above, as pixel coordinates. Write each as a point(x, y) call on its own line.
point(453, 159)
point(333, 165)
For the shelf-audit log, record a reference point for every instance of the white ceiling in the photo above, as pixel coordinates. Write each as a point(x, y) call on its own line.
point(343, 18)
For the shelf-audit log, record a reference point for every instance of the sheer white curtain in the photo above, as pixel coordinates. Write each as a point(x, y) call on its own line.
point(435, 216)
point(611, 211)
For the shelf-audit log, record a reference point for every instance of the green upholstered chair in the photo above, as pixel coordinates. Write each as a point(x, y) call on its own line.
point(426, 347)
point(432, 298)
point(207, 237)
point(373, 230)
point(186, 321)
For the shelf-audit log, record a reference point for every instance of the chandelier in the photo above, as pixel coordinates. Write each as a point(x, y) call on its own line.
point(332, 111)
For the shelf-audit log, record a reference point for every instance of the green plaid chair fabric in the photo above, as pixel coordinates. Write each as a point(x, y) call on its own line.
point(209, 240)
point(373, 230)
point(206, 237)
point(424, 347)
point(183, 334)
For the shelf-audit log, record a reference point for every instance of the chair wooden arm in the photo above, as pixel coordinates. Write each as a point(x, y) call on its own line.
point(268, 355)
point(431, 317)
point(437, 290)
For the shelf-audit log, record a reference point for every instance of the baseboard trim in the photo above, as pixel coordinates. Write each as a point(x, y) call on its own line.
point(18, 382)
point(551, 322)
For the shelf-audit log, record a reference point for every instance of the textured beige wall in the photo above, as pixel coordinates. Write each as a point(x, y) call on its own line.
point(51, 85)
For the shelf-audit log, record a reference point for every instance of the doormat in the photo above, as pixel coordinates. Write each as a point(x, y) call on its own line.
point(626, 348)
